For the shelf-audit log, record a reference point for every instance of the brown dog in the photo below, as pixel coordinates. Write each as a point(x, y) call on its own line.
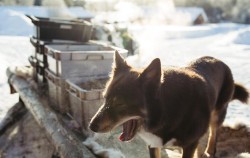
point(177, 104)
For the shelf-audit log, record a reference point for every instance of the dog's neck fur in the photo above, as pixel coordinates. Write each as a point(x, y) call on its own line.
point(153, 106)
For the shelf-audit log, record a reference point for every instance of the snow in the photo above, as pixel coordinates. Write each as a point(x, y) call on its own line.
point(174, 45)
point(193, 12)
point(14, 50)
point(16, 23)
point(101, 151)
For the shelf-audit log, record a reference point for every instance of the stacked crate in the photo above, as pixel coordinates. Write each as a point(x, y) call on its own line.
point(85, 96)
point(39, 60)
point(65, 59)
point(72, 65)
point(54, 31)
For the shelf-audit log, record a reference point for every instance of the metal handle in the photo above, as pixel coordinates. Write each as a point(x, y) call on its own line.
point(48, 51)
point(33, 41)
point(33, 19)
point(40, 70)
point(32, 61)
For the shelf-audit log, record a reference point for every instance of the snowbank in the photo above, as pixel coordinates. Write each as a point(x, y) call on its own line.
point(14, 50)
point(16, 23)
point(243, 37)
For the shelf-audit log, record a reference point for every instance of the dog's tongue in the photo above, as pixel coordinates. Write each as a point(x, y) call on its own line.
point(129, 129)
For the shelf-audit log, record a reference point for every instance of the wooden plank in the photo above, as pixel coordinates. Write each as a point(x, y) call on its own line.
point(64, 140)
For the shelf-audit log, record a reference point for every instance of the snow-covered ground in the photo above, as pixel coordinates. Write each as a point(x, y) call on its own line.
point(174, 45)
point(14, 50)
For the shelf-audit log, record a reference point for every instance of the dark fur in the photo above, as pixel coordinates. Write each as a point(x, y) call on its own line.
point(178, 103)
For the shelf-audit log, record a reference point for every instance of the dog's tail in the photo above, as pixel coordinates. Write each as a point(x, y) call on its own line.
point(240, 93)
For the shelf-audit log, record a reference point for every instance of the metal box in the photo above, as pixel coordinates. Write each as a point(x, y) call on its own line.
point(90, 59)
point(85, 98)
point(55, 28)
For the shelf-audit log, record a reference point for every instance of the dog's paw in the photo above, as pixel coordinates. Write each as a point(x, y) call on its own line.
point(207, 155)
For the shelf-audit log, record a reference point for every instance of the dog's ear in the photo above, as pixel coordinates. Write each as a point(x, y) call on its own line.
point(119, 64)
point(152, 74)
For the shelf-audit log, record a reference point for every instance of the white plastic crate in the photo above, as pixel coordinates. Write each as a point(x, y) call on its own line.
point(85, 101)
point(39, 45)
point(90, 59)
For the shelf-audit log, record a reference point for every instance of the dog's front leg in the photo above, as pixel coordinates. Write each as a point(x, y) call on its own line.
point(154, 152)
point(188, 151)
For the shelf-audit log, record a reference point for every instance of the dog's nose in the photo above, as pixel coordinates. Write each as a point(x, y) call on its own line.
point(94, 127)
point(99, 127)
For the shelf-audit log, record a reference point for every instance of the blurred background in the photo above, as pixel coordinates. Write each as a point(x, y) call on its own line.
point(217, 11)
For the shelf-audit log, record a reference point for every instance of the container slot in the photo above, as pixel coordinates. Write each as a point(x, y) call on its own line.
point(95, 57)
point(65, 26)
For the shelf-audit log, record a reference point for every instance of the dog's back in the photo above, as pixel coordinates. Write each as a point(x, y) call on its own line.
point(219, 77)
